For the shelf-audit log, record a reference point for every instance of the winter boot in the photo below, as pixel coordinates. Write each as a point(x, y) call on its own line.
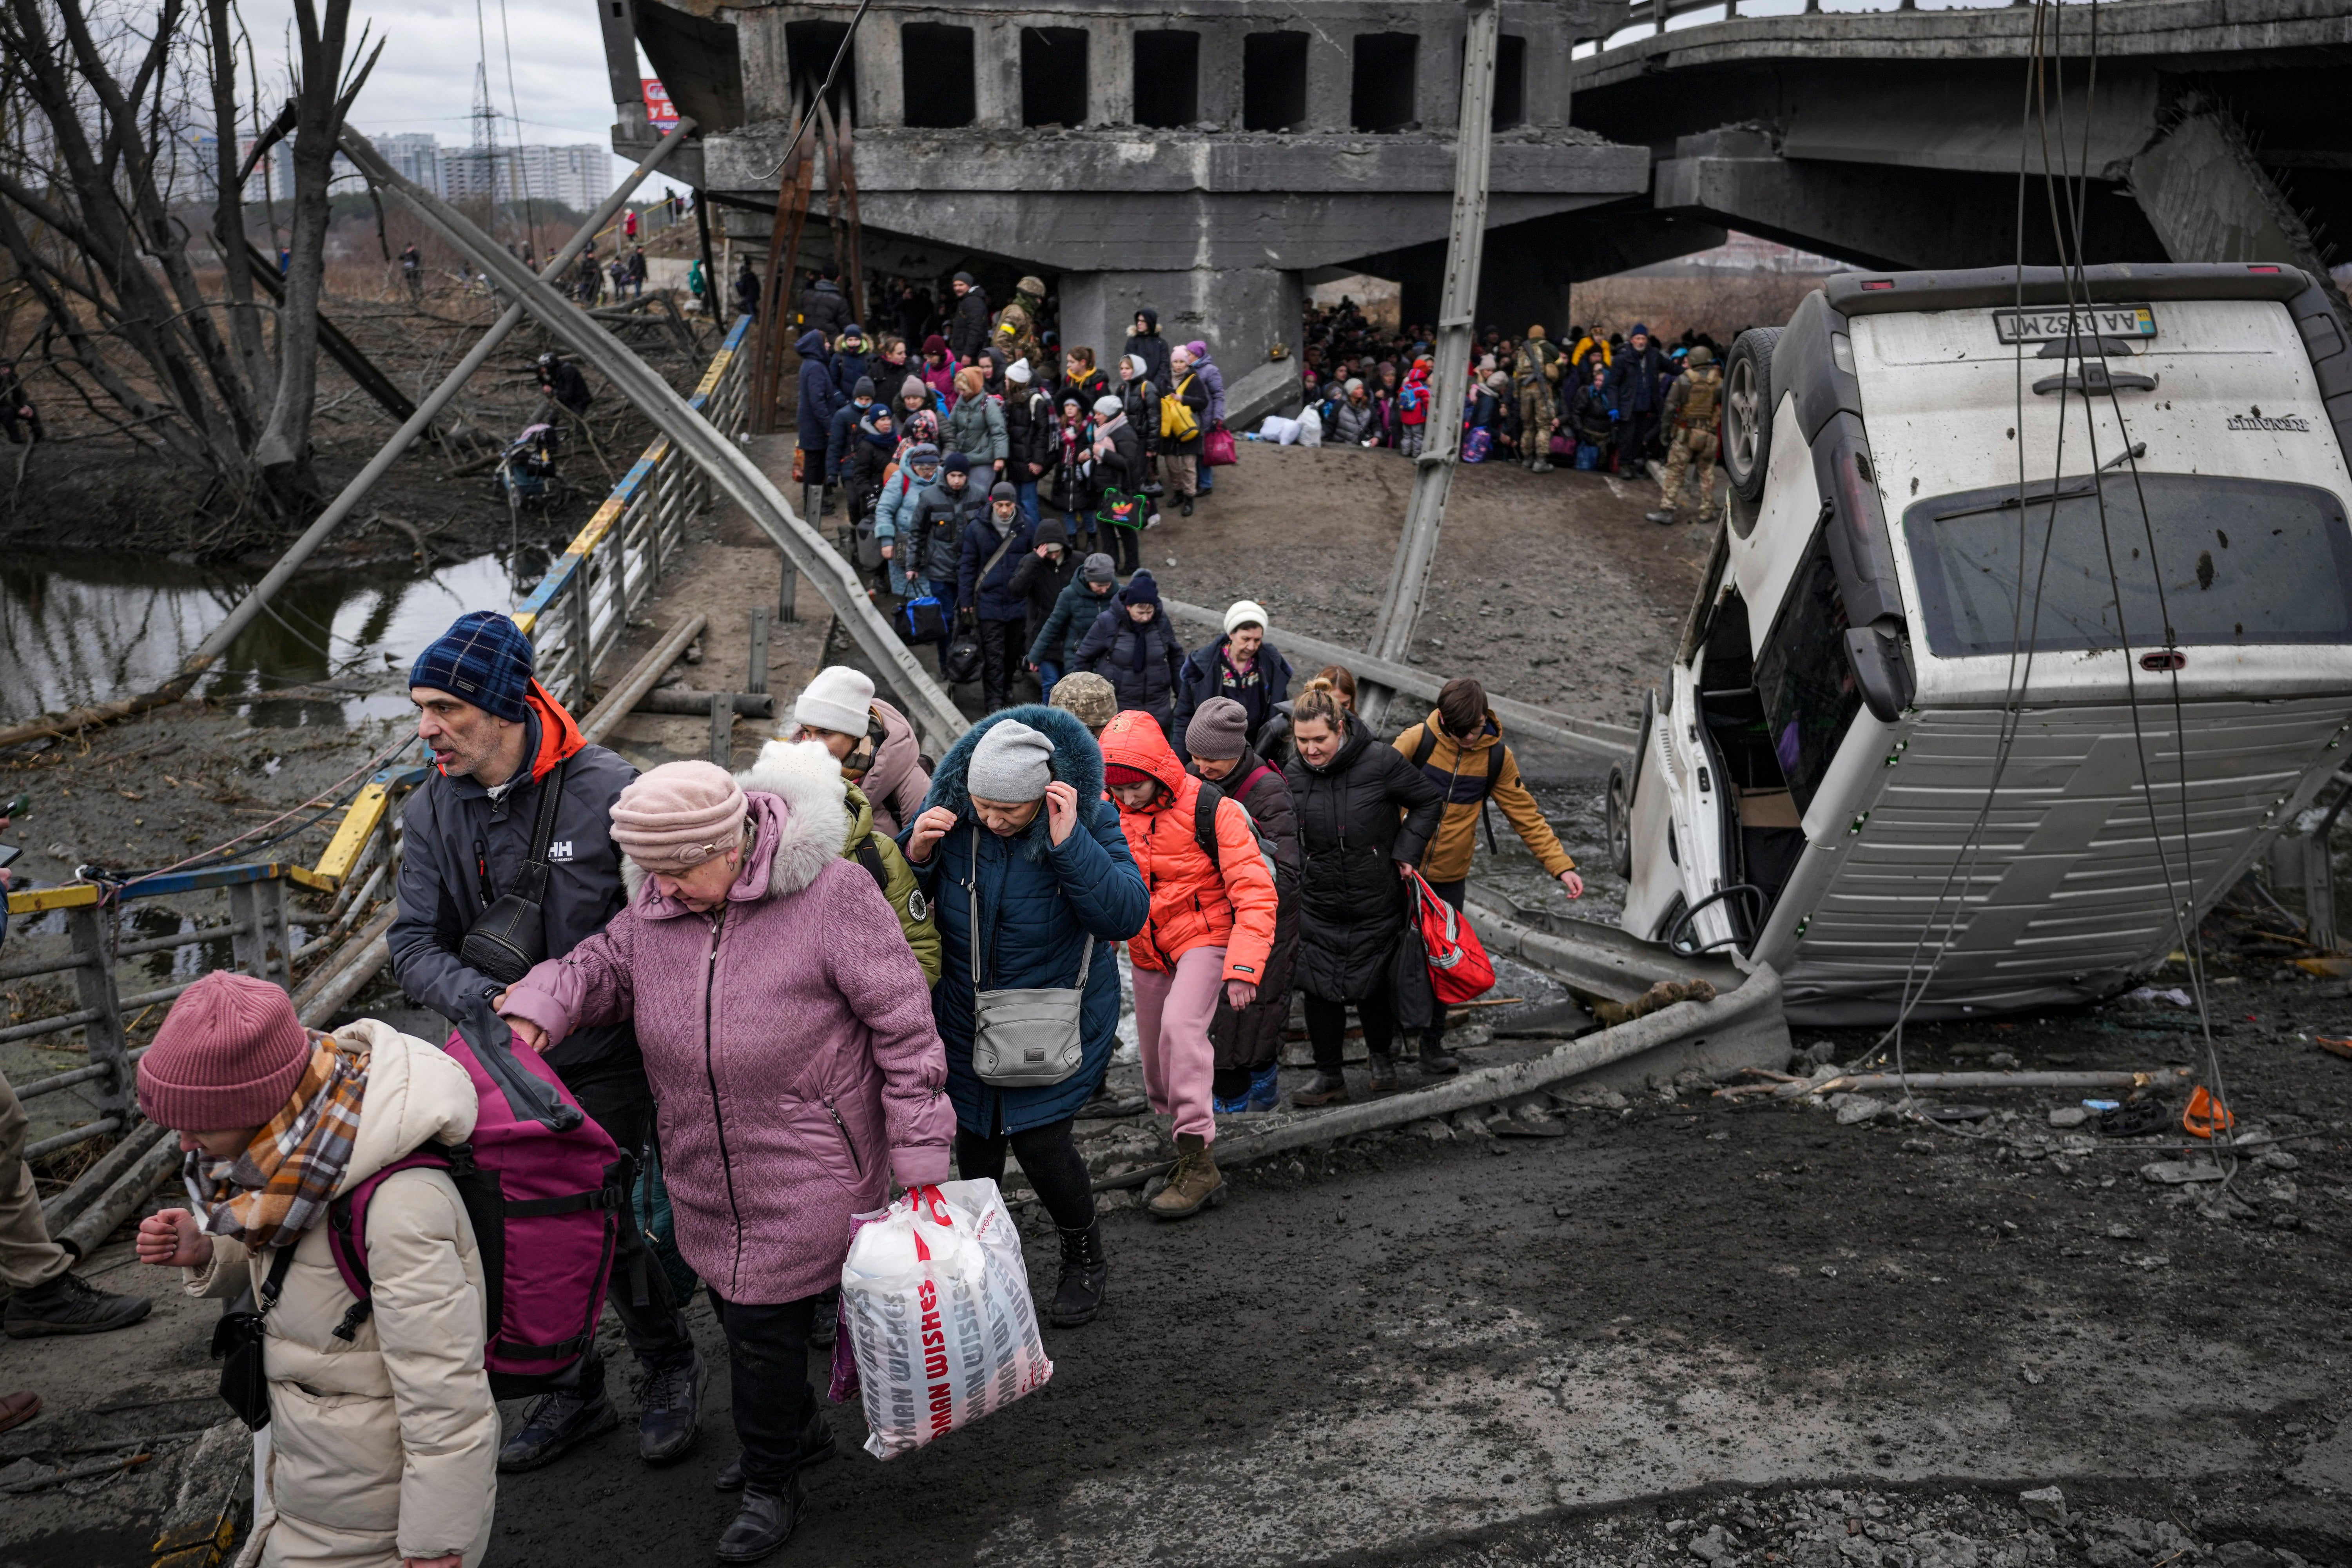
point(1085, 1274)
point(1662, 516)
point(1436, 1061)
point(1186, 509)
point(1194, 1185)
point(555, 1423)
point(764, 1523)
point(1384, 1078)
point(1327, 1088)
point(1235, 1106)
point(1265, 1090)
point(817, 1447)
point(66, 1305)
point(669, 1408)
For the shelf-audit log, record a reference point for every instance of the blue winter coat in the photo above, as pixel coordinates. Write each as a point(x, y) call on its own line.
point(820, 399)
point(1038, 904)
point(840, 436)
point(993, 593)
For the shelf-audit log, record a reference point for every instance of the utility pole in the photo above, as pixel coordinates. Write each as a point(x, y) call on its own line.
point(1465, 245)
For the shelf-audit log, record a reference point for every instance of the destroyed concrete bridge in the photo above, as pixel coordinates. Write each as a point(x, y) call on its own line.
point(1211, 157)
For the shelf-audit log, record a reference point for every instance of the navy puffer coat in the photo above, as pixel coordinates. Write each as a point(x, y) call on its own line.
point(1039, 903)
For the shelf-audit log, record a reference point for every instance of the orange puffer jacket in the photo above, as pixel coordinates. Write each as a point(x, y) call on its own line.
point(1193, 903)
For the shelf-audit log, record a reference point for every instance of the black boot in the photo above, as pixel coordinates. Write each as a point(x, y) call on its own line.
point(556, 1422)
point(1086, 1273)
point(1328, 1087)
point(669, 1408)
point(1436, 1061)
point(66, 1305)
point(817, 1447)
point(764, 1523)
point(1384, 1078)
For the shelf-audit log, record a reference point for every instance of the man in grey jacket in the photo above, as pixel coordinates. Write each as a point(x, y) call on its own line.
point(498, 741)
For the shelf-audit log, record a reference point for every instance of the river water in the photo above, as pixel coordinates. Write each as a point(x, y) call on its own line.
point(91, 627)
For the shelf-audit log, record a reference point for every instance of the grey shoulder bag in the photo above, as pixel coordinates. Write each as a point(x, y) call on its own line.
point(1028, 1038)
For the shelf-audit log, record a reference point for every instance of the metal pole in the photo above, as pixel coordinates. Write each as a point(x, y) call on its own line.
point(755, 679)
point(418, 424)
point(715, 452)
point(722, 729)
point(1466, 246)
point(788, 592)
point(92, 931)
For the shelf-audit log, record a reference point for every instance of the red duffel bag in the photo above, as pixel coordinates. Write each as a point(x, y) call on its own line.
point(1459, 968)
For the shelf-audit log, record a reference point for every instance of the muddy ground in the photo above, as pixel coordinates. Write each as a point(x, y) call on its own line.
point(1751, 1327)
point(1686, 1328)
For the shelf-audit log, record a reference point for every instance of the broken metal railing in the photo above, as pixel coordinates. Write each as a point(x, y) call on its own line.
point(260, 945)
point(580, 611)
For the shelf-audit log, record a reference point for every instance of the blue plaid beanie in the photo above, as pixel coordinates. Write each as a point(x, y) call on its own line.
point(484, 659)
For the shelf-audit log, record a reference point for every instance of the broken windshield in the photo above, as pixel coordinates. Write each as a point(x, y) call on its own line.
point(2232, 562)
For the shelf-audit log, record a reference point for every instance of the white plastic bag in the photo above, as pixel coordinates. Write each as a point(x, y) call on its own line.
point(1310, 427)
point(937, 1302)
point(1277, 429)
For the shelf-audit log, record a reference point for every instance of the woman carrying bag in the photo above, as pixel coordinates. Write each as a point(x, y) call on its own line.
point(1018, 853)
point(742, 915)
point(1355, 853)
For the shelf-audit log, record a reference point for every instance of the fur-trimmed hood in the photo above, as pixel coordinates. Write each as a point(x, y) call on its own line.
point(799, 818)
point(1077, 762)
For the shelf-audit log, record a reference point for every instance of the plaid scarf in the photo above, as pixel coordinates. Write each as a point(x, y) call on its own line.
point(281, 1184)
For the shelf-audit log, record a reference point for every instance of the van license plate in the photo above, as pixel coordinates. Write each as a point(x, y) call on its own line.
point(2096, 320)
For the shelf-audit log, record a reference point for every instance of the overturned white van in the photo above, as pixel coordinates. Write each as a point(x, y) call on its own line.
point(2028, 624)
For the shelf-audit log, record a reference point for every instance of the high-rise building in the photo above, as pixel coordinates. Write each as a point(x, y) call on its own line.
point(413, 154)
point(576, 177)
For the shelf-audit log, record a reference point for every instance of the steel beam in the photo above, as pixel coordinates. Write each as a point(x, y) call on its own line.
point(714, 452)
point(1466, 246)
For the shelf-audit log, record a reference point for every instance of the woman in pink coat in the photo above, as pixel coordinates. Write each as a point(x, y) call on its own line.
point(787, 1033)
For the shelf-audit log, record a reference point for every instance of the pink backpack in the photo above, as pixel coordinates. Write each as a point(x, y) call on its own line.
point(542, 1183)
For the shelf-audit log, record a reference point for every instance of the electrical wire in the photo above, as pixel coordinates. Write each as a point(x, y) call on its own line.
point(809, 117)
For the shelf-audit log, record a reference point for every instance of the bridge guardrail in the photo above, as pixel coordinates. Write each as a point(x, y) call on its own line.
point(1654, 14)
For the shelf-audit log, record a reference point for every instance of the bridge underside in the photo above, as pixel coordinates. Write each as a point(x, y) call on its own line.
point(1903, 139)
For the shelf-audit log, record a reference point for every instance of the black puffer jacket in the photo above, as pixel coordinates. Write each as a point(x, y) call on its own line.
point(1139, 660)
point(1350, 843)
point(1030, 435)
point(1252, 1037)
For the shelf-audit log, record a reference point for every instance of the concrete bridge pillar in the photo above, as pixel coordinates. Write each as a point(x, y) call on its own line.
point(1240, 313)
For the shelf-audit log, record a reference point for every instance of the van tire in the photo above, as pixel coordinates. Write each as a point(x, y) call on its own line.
point(1748, 398)
point(1618, 823)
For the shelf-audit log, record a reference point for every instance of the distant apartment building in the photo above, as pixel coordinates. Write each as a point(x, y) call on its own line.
point(577, 177)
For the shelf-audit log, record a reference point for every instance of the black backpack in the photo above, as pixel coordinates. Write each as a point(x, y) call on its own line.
point(1204, 828)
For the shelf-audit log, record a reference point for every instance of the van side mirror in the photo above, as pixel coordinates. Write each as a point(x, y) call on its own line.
point(1881, 669)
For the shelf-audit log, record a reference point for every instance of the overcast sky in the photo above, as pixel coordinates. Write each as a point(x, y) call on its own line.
point(425, 79)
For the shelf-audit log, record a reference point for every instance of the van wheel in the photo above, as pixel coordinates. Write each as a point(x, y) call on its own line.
point(1748, 398)
point(1620, 828)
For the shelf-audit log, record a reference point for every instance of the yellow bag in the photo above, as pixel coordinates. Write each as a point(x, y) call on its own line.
point(1176, 419)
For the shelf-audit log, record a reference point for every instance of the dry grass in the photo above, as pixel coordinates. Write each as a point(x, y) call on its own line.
point(1719, 306)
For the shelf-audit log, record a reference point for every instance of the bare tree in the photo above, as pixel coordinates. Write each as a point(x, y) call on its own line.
point(86, 214)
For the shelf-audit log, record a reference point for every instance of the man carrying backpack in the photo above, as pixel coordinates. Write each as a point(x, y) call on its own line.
point(1459, 748)
point(518, 798)
point(384, 1437)
point(1207, 939)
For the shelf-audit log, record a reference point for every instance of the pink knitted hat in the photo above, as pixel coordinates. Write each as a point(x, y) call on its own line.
point(679, 815)
point(228, 1056)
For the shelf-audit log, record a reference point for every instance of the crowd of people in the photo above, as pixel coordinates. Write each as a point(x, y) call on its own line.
point(777, 996)
point(1593, 399)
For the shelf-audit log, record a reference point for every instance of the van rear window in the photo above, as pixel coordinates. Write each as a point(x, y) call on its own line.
point(2226, 561)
